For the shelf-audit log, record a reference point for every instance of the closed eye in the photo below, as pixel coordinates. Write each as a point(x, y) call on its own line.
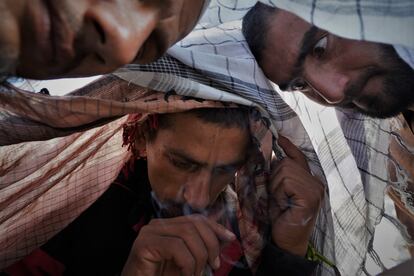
point(182, 164)
point(226, 170)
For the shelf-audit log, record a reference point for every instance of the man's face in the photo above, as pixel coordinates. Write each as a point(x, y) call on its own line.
point(331, 70)
point(52, 38)
point(190, 162)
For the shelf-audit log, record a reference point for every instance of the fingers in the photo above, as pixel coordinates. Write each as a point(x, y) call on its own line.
point(152, 251)
point(296, 179)
point(222, 232)
point(293, 152)
point(199, 235)
point(296, 197)
point(294, 188)
point(289, 193)
point(187, 235)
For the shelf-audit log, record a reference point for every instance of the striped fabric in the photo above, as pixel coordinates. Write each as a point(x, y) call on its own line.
point(47, 183)
point(348, 151)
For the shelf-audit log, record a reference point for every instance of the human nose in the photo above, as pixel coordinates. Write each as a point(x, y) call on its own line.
point(197, 190)
point(329, 83)
point(122, 30)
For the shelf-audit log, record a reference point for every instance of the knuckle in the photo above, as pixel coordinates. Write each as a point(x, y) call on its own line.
point(189, 230)
point(177, 243)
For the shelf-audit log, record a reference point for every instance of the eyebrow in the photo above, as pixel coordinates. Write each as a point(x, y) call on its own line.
point(186, 158)
point(306, 46)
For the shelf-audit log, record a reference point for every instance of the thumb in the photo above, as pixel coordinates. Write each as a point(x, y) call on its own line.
point(293, 152)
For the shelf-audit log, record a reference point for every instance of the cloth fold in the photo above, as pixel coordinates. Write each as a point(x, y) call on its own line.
point(46, 184)
point(348, 151)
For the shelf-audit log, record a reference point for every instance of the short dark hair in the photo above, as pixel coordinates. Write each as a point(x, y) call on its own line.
point(227, 117)
point(255, 27)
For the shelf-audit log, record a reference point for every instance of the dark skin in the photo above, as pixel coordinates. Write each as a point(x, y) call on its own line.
point(196, 173)
point(296, 199)
point(334, 71)
point(44, 39)
point(191, 174)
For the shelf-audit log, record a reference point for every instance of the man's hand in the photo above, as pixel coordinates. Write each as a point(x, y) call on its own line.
point(177, 246)
point(295, 198)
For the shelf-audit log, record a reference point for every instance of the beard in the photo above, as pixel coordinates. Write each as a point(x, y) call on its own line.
point(397, 94)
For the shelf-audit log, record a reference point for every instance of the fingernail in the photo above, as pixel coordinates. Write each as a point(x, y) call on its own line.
point(216, 263)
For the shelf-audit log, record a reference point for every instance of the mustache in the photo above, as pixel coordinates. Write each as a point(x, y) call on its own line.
point(354, 90)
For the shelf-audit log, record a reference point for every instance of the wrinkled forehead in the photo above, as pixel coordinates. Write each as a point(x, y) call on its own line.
point(192, 124)
point(187, 134)
point(282, 46)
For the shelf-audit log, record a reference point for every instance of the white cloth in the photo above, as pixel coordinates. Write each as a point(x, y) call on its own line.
point(349, 150)
point(406, 54)
point(390, 22)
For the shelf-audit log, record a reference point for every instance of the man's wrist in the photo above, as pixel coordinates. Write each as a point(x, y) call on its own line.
point(275, 258)
point(299, 248)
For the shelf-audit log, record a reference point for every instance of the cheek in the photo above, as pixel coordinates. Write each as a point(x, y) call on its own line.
point(165, 181)
point(193, 10)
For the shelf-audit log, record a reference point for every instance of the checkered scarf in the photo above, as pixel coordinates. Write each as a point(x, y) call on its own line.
point(347, 151)
point(46, 184)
